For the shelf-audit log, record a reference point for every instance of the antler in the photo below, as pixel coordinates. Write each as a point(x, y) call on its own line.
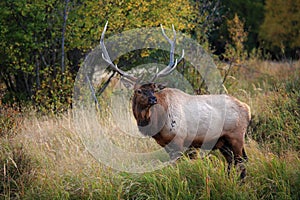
point(166, 71)
point(172, 65)
point(106, 57)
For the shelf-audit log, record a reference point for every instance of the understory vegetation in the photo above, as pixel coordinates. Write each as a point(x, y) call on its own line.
point(42, 157)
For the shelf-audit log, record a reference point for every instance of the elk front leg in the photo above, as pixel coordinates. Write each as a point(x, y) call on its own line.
point(175, 149)
point(228, 154)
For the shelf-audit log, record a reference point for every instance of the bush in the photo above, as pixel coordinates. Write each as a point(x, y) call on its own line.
point(55, 92)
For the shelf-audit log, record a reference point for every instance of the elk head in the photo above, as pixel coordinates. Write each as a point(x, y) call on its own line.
point(145, 94)
point(148, 109)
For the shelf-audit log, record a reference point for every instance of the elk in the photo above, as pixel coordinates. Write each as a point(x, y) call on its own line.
point(177, 120)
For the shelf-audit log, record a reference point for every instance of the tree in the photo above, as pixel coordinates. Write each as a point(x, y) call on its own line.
point(280, 30)
point(250, 11)
point(28, 43)
point(86, 21)
point(42, 40)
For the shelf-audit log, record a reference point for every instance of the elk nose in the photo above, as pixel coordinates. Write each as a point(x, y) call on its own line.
point(152, 100)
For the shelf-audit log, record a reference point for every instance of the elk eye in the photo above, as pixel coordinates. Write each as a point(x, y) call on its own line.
point(139, 91)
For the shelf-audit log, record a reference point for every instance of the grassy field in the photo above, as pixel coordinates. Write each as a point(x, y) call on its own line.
point(42, 157)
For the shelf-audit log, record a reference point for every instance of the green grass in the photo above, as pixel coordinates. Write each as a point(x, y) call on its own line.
point(269, 177)
point(44, 158)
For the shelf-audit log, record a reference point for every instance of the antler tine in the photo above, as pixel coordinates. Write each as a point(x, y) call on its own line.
point(166, 71)
point(172, 65)
point(172, 43)
point(106, 57)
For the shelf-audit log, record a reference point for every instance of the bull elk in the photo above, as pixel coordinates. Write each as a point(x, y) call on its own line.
point(177, 120)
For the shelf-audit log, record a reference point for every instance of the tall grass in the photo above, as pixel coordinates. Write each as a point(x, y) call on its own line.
point(272, 90)
point(45, 158)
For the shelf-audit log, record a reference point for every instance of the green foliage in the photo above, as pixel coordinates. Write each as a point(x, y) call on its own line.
point(238, 37)
point(250, 11)
point(31, 40)
point(28, 43)
point(31, 33)
point(235, 52)
point(55, 92)
point(87, 18)
point(281, 27)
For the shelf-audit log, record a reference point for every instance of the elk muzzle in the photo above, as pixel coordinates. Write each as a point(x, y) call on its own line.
point(152, 100)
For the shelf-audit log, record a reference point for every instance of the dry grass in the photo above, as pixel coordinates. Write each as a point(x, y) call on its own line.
point(46, 157)
point(64, 169)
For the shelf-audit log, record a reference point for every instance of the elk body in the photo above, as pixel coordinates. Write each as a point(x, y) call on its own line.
point(200, 121)
point(178, 121)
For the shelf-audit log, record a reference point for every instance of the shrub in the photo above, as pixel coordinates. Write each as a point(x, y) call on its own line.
point(55, 92)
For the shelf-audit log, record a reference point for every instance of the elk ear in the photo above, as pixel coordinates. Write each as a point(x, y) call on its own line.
point(127, 83)
point(160, 86)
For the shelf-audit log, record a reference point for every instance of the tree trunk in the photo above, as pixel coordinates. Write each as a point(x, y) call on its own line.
point(66, 10)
